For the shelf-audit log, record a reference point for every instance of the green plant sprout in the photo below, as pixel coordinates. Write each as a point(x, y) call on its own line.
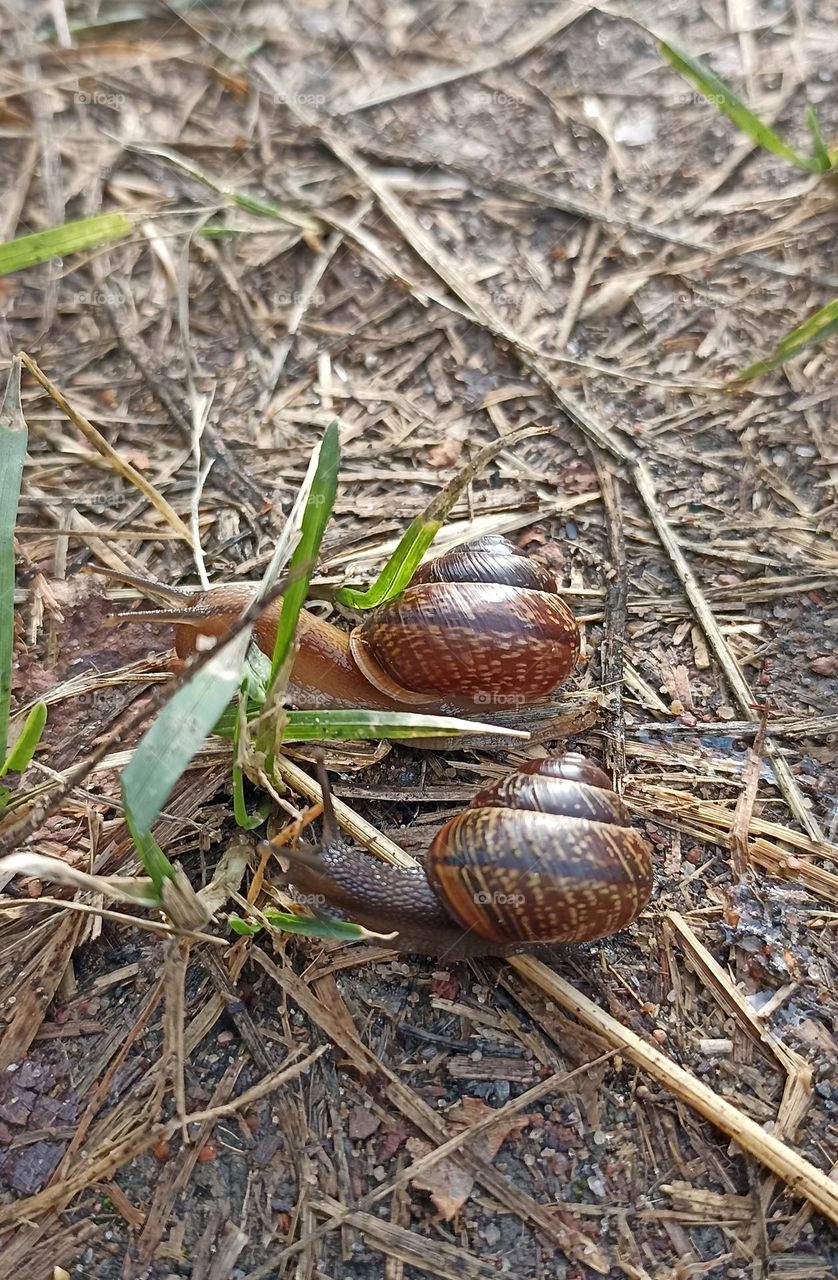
point(721, 96)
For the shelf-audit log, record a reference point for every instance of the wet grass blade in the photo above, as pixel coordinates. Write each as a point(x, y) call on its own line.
point(13, 442)
point(60, 242)
point(819, 326)
point(334, 726)
point(721, 96)
point(318, 509)
point(421, 532)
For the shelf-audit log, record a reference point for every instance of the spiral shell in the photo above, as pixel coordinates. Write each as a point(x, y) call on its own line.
point(545, 855)
point(481, 623)
point(490, 558)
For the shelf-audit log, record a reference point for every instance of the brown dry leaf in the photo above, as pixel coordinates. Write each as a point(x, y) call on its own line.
point(450, 1185)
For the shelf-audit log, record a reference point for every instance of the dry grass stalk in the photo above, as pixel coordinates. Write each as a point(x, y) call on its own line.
point(800, 1175)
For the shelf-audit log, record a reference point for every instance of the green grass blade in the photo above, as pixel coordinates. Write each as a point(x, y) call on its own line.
point(157, 865)
point(60, 242)
point(245, 820)
point(421, 532)
point(24, 749)
point(334, 726)
point(168, 745)
point(820, 151)
point(318, 509)
point(819, 326)
point(308, 926)
point(13, 441)
point(315, 926)
point(721, 96)
point(278, 213)
point(243, 927)
point(398, 570)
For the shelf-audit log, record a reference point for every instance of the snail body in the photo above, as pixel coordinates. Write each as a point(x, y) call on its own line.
point(480, 625)
point(545, 855)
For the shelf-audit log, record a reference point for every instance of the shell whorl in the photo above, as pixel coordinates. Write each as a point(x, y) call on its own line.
point(490, 558)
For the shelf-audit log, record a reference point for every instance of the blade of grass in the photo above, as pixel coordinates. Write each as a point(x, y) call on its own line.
point(22, 752)
point(721, 96)
point(316, 926)
point(818, 327)
point(13, 442)
point(244, 819)
point(333, 726)
point(59, 242)
point(820, 151)
point(398, 570)
point(308, 926)
point(279, 213)
point(315, 518)
point(421, 531)
point(167, 746)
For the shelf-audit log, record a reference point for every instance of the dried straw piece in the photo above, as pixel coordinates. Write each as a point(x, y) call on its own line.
point(800, 1175)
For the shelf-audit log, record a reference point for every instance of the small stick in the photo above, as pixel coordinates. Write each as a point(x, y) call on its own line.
point(741, 825)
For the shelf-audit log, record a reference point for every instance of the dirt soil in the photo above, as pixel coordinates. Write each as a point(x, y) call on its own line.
point(483, 218)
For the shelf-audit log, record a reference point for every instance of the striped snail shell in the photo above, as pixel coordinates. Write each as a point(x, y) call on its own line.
point(547, 854)
point(482, 622)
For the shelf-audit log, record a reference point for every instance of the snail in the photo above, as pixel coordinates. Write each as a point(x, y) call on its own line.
point(547, 854)
point(482, 624)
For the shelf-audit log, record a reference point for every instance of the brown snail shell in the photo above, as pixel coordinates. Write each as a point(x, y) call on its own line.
point(481, 623)
point(545, 855)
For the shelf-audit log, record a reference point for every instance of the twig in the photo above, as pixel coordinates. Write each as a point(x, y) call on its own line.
point(616, 600)
point(745, 804)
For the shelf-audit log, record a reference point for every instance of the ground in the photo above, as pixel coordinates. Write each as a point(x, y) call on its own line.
point(485, 217)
